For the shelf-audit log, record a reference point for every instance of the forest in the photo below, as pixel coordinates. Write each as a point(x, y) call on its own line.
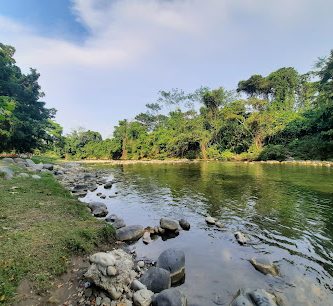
point(282, 116)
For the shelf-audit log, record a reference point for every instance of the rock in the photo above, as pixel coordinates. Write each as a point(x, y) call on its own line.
point(36, 167)
point(100, 212)
point(29, 162)
point(94, 205)
point(185, 225)
point(36, 177)
point(8, 160)
point(108, 185)
point(142, 297)
point(137, 285)
point(240, 237)
point(170, 297)
point(156, 279)
point(264, 266)
point(103, 196)
point(210, 220)
point(106, 302)
point(257, 297)
point(115, 221)
point(161, 230)
point(169, 224)
point(6, 173)
point(112, 284)
point(48, 167)
point(130, 233)
point(111, 271)
point(23, 175)
point(103, 259)
point(219, 225)
point(141, 264)
point(146, 238)
point(174, 261)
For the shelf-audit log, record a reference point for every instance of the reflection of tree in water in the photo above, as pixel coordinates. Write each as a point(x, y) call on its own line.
point(277, 201)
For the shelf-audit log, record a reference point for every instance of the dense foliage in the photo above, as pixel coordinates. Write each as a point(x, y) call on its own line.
point(23, 117)
point(279, 116)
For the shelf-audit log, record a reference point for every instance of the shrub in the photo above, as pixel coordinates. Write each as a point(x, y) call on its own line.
point(274, 152)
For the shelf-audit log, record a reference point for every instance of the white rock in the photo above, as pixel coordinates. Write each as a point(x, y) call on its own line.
point(103, 259)
point(210, 220)
point(111, 271)
point(143, 297)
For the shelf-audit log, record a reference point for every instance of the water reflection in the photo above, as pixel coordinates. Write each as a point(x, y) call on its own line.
point(287, 211)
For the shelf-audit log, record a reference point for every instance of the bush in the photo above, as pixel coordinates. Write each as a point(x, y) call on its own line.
point(227, 155)
point(274, 152)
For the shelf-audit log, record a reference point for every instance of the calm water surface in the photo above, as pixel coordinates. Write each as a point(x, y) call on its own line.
point(286, 210)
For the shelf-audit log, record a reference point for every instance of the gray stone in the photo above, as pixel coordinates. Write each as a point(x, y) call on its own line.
point(142, 297)
point(94, 205)
point(174, 261)
point(184, 224)
point(30, 162)
point(8, 160)
point(264, 266)
point(103, 196)
point(36, 177)
point(6, 173)
point(210, 220)
point(169, 224)
point(24, 175)
point(240, 237)
point(111, 271)
point(100, 212)
point(146, 238)
point(115, 221)
point(36, 167)
point(170, 297)
point(141, 263)
point(156, 279)
point(130, 233)
point(257, 297)
point(108, 185)
point(48, 167)
point(219, 224)
point(112, 284)
point(137, 285)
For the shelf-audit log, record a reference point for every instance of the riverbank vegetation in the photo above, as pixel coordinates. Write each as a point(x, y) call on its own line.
point(41, 227)
point(280, 116)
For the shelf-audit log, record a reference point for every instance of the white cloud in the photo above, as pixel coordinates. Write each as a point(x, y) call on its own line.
point(135, 47)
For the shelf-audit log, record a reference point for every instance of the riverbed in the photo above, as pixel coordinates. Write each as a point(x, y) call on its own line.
point(286, 211)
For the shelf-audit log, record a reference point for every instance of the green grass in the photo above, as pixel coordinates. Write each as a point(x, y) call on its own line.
point(41, 227)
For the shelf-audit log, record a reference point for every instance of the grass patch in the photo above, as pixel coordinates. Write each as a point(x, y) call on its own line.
point(41, 227)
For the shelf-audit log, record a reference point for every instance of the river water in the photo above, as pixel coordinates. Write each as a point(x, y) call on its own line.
point(286, 210)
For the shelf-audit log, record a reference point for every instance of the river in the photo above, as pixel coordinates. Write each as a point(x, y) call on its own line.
point(286, 210)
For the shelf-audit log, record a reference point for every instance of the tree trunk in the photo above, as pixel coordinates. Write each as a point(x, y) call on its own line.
point(203, 148)
point(124, 149)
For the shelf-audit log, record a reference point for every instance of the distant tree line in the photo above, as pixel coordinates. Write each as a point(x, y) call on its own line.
point(279, 116)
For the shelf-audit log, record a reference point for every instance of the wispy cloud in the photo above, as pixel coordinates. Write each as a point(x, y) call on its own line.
point(136, 47)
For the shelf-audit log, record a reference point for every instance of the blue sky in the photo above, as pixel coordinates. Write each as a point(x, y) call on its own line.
point(103, 60)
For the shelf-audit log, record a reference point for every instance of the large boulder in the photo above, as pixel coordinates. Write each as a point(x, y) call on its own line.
point(130, 233)
point(170, 297)
point(8, 160)
point(6, 173)
point(264, 266)
point(121, 262)
point(169, 224)
point(156, 279)
point(143, 297)
point(174, 261)
point(257, 297)
point(94, 205)
point(98, 209)
point(30, 162)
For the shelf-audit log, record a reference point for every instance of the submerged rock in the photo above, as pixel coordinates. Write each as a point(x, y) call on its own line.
point(240, 237)
point(184, 224)
point(108, 185)
point(257, 297)
point(264, 266)
point(115, 221)
point(174, 261)
point(130, 233)
point(169, 224)
point(170, 297)
point(156, 279)
point(146, 238)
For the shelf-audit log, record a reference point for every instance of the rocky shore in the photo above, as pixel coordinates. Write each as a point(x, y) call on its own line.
point(117, 277)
